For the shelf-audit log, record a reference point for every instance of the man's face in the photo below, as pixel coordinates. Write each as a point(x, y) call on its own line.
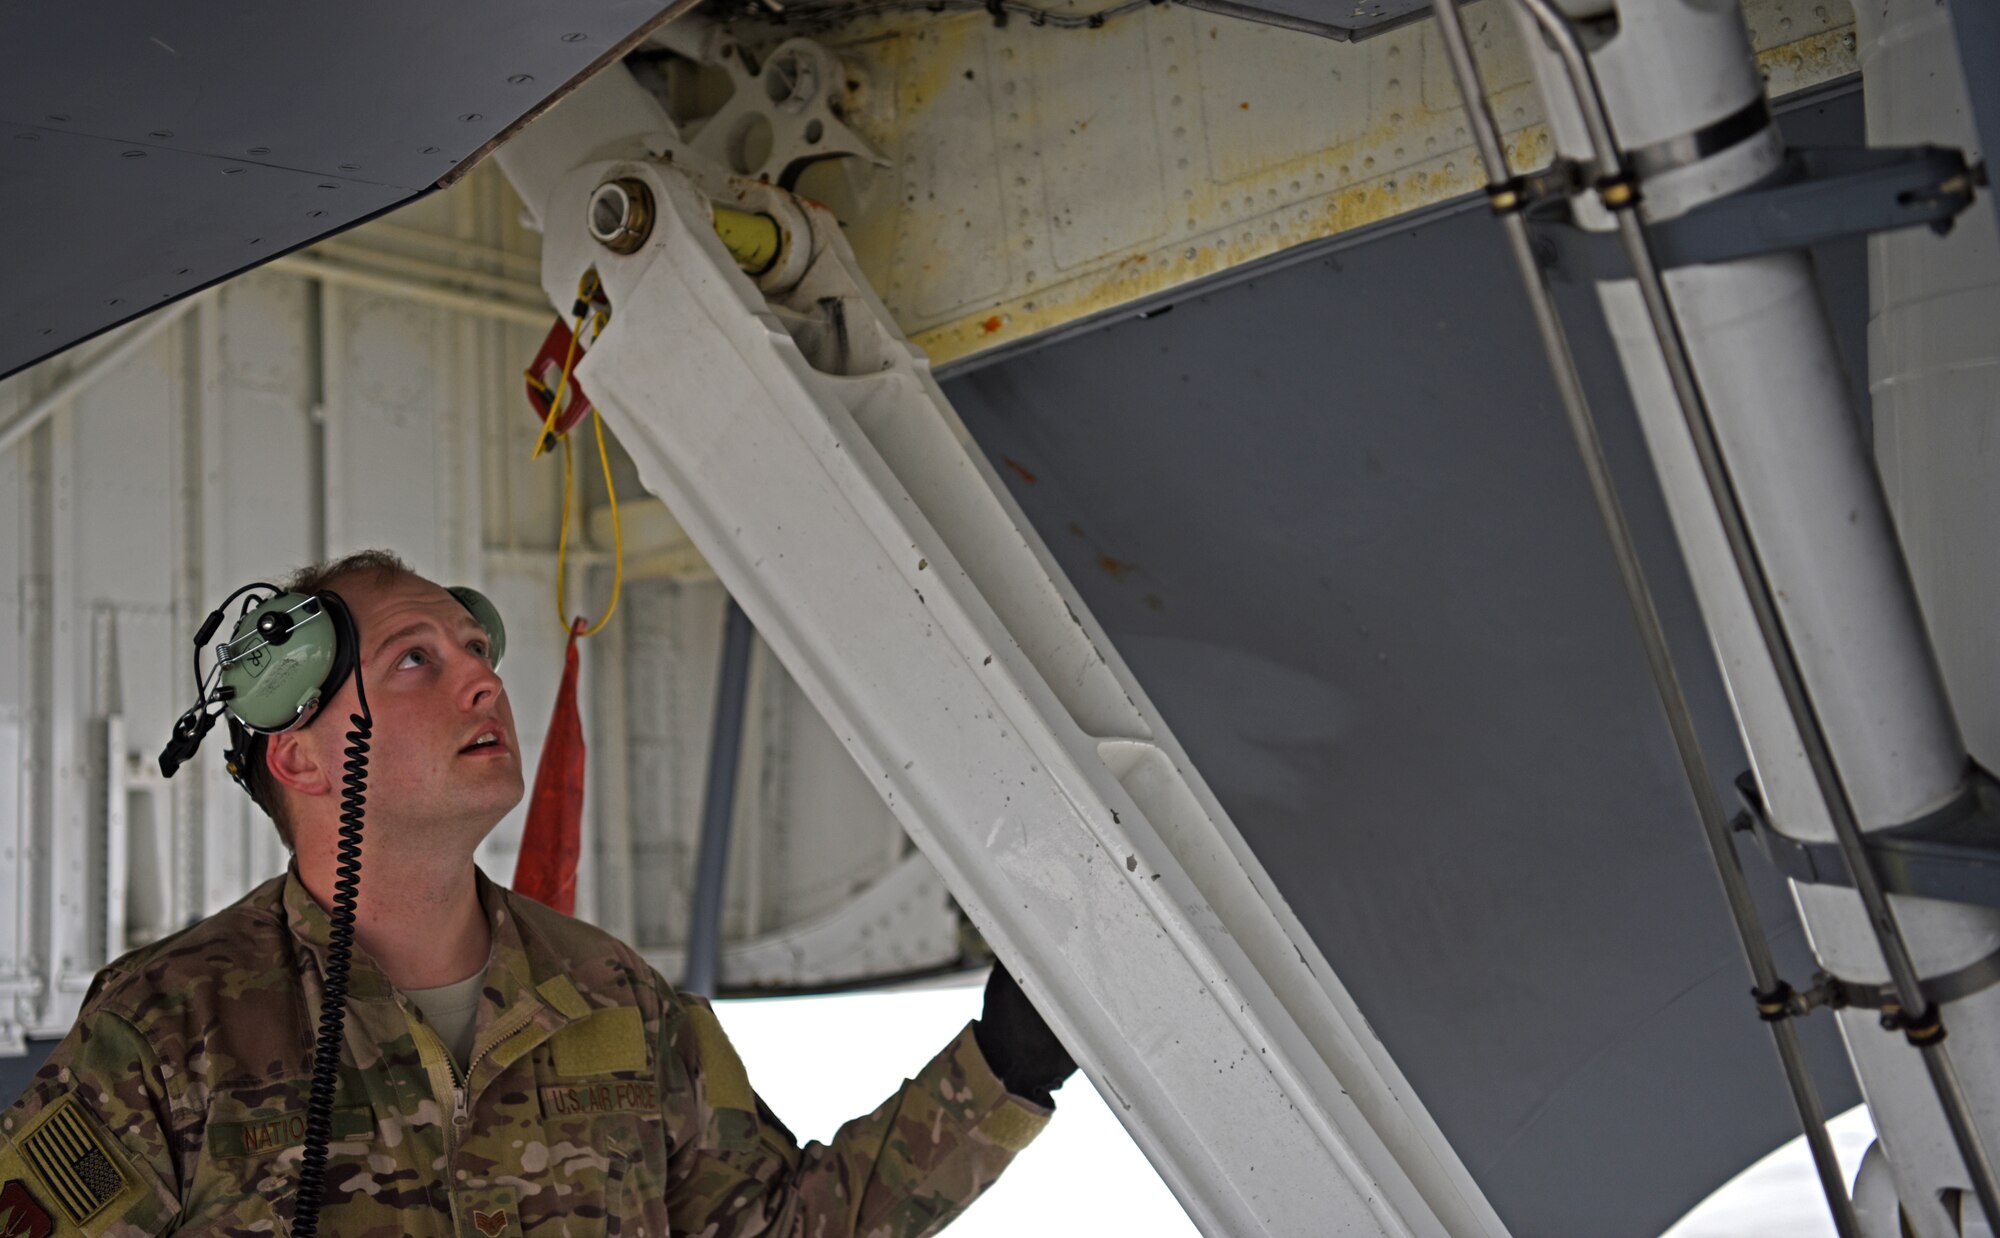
point(432, 693)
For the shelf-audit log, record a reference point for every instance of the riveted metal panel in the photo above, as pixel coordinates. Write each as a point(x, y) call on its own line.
point(150, 151)
point(1164, 147)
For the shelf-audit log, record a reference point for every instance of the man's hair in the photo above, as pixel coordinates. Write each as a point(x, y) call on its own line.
point(379, 567)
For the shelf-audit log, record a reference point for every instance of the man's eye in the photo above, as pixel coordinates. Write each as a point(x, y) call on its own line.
point(478, 647)
point(414, 653)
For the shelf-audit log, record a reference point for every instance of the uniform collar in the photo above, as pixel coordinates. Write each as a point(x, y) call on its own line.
point(507, 966)
point(510, 970)
point(518, 1006)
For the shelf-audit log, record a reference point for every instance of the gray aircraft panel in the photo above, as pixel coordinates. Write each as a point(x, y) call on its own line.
point(1333, 519)
point(149, 150)
point(80, 266)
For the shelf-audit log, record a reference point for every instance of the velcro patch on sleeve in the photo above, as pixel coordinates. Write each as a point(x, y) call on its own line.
point(1012, 1126)
point(728, 1084)
point(609, 1040)
point(72, 1168)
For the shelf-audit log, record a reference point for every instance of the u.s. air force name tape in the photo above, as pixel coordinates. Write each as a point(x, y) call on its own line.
point(620, 1096)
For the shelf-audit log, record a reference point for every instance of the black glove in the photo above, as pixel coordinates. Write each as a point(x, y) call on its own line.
point(1018, 1045)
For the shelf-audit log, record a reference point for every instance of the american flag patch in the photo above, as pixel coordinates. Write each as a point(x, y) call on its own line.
point(72, 1163)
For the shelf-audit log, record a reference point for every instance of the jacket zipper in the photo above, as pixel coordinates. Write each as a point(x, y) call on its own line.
point(502, 1031)
point(522, 1014)
point(431, 1047)
point(438, 1064)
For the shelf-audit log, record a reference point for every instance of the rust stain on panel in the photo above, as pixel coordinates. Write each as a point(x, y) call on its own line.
point(1124, 279)
point(1409, 154)
point(1809, 61)
point(1139, 276)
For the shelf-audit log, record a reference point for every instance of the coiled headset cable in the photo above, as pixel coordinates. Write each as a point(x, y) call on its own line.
point(333, 984)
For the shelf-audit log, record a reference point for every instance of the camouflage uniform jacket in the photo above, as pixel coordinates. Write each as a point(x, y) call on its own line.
point(597, 1101)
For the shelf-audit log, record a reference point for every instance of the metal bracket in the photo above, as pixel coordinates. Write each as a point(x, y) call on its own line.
point(1830, 992)
point(1834, 993)
point(1821, 194)
point(782, 114)
point(1951, 854)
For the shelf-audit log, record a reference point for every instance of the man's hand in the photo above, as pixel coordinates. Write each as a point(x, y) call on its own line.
point(1018, 1045)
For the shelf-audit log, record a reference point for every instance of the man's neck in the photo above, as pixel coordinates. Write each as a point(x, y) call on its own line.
point(423, 926)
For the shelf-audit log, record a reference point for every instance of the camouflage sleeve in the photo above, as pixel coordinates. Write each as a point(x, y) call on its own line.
point(88, 1150)
point(902, 1171)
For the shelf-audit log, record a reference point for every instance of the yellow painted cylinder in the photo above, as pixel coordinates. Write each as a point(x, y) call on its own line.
point(752, 239)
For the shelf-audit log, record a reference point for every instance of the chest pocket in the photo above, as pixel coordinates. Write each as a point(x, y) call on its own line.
point(603, 1137)
point(600, 1085)
point(250, 1156)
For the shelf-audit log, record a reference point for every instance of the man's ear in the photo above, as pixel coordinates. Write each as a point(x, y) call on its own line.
point(295, 765)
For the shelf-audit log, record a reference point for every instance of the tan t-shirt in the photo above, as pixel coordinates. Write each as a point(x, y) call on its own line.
point(452, 1010)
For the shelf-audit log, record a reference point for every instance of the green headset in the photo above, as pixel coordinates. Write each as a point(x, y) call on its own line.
point(287, 654)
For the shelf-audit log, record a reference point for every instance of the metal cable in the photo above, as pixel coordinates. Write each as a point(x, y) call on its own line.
point(704, 951)
point(1652, 634)
point(1923, 1028)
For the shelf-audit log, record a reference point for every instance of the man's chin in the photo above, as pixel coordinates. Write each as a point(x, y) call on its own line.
point(465, 820)
point(488, 809)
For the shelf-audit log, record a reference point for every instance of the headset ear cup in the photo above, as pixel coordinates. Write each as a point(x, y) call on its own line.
point(346, 645)
point(267, 684)
point(488, 615)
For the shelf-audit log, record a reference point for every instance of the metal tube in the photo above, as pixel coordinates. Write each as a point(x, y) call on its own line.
point(1492, 152)
point(752, 238)
point(1652, 635)
point(704, 952)
point(396, 286)
point(1933, 303)
point(423, 271)
point(1784, 658)
point(529, 266)
point(137, 336)
point(1596, 119)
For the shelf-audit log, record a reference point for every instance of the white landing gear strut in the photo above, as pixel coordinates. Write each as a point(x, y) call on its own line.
point(801, 441)
point(1863, 783)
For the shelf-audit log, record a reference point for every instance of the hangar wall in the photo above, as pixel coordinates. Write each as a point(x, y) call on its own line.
point(336, 402)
